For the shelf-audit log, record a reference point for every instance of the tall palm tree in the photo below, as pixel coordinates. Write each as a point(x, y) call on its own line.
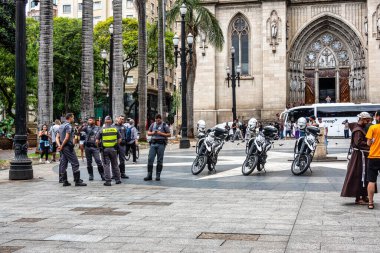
point(199, 20)
point(87, 87)
point(117, 79)
point(142, 68)
point(160, 59)
point(45, 64)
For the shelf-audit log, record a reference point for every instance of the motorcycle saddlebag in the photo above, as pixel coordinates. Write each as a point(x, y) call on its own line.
point(219, 132)
point(270, 131)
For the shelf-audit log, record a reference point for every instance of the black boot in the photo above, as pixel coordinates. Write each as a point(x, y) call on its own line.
point(150, 171)
point(60, 178)
point(122, 171)
point(90, 173)
point(158, 172)
point(78, 181)
point(101, 172)
point(64, 179)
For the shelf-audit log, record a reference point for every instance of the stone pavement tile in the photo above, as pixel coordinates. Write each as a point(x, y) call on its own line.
point(117, 232)
point(259, 250)
point(96, 247)
point(273, 238)
point(49, 250)
point(150, 247)
point(30, 243)
point(191, 241)
point(349, 234)
point(279, 226)
point(303, 246)
point(130, 240)
point(319, 239)
point(366, 241)
point(255, 244)
point(349, 247)
point(203, 249)
point(301, 250)
point(180, 233)
point(75, 238)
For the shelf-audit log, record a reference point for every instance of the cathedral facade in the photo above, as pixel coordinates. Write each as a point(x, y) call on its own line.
point(289, 52)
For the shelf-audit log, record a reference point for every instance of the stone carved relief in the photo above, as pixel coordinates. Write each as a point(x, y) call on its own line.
point(273, 30)
point(327, 51)
point(376, 23)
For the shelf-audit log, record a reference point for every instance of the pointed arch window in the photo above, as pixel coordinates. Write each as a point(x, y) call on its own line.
point(240, 41)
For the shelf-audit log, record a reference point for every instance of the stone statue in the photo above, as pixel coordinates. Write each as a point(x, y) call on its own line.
point(378, 25)
point(274, 29)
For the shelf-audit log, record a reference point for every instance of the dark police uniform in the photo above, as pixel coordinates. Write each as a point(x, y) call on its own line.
point(68, 155)
point(109, 137)
point(157, 148)
point(122, 148)
point(92, 150)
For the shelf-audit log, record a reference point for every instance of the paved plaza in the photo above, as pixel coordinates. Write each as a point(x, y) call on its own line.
point(224, 212)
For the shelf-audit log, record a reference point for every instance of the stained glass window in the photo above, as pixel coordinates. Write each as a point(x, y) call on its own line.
point(240, 41)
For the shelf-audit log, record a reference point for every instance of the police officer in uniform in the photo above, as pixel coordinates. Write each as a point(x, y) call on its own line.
point(160, 133)
point(109, 138)
point(121, 128)
point(65, 145)
point(91, 150)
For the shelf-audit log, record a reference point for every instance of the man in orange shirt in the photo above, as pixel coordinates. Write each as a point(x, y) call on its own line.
point(373, 140)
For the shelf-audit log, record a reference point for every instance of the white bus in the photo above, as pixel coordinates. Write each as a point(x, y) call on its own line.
point(333, 114)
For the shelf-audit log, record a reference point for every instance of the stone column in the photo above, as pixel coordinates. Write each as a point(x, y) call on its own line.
point(337, 87)
point(316, 86)
point(373, 56)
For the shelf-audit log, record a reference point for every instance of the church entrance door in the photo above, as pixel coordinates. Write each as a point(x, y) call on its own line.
point(326, 88)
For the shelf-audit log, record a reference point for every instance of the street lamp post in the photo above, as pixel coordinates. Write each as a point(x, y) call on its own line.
point(235, 75)
point(21, 167)
point(110, 72)
point(184, 142)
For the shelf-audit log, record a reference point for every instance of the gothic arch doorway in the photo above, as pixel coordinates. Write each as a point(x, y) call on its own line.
point(327, 59)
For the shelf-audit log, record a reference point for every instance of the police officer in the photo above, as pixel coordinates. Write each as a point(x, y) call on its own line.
point(160, 133)
point(110, 138)
point(91, 150)
point(65, 145)
point(121, 128)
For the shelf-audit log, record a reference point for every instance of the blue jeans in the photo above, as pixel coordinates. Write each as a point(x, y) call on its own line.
point(156, 149)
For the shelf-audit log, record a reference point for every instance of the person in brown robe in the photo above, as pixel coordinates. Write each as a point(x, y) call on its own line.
point(355, 184)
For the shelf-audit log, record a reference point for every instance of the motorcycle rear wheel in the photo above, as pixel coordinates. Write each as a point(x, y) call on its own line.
point(300, 164)
point(199, 164)
point(249, 165)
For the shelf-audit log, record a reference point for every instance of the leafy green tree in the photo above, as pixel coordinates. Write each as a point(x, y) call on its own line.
point(198, 20)
point(8, 26)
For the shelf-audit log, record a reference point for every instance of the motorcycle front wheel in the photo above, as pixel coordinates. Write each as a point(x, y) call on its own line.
point(300, 164)
point(249, 164)
point(199, 164)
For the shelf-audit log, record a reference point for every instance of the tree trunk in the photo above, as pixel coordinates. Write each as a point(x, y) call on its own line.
point(45, 64)
point(191, 73)
point(117, 80)
point(66, 95)
point(160, 60)
point(87, 87)
point(142, 68)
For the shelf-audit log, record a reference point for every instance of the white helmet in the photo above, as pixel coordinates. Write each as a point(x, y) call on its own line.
point(252, 123)
point(301, 122)
point(201, 125)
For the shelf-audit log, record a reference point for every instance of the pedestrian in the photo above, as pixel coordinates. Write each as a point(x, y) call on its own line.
point(82, 139)
point(65, 144)
point(119, 125)
point(131, 139)
point(355, 184)
point(328, 99)
point(244, 131)
point(91, 150)
point(234, 127)
point(323, 125)
point(53, 133)
point(160, 133)
point(227, 127)
point(373, 141)
point(110, 138)
point(346, 129)
point(312, 121)
point(288, 127)
point(44, 143)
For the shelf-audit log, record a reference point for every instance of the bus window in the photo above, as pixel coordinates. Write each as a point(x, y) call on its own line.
point(295, 114)
point(344, 111)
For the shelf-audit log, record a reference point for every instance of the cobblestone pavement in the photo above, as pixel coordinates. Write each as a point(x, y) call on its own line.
point(224, 212)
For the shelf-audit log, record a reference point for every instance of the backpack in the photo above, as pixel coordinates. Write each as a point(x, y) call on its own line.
point(128, 134)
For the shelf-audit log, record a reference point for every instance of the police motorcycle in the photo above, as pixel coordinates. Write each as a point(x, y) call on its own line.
point(304, 147)
point(257, 147)
point(209, 144)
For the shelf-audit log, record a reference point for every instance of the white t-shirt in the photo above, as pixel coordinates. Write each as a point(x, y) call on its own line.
point(53, 132)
